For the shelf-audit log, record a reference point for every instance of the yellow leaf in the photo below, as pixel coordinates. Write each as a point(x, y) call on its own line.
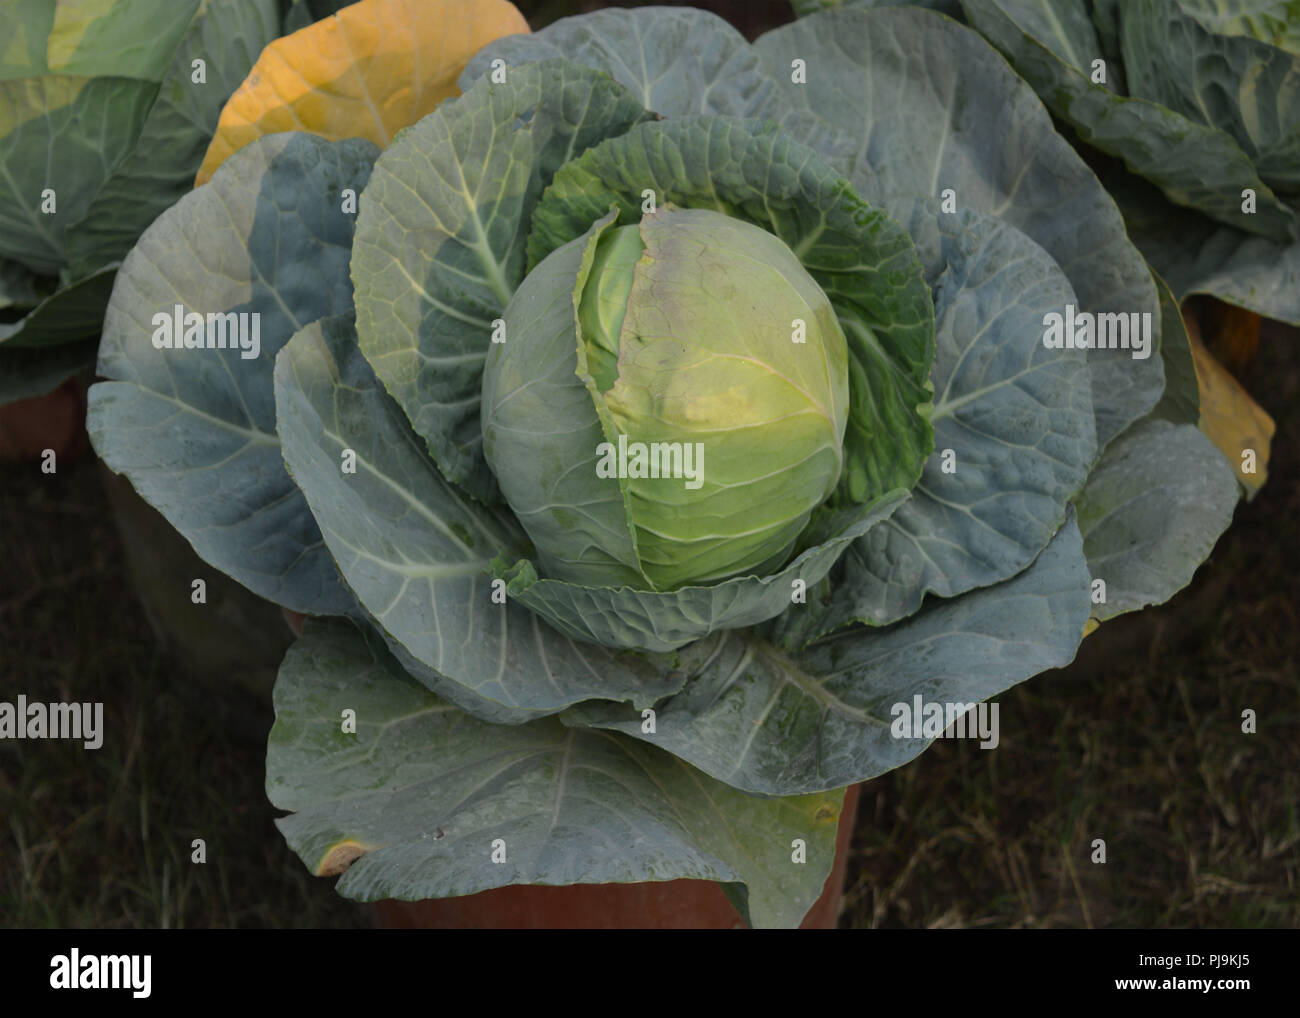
point(339, 856)
point(1234, 422)
point(1090, 627)
point(367, 72)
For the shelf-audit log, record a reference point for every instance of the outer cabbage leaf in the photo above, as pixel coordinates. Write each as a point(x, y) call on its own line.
point(777, 723)
point(227, 37)
point(92, 38)
point(376, 67)
point(675, 61)
point(1195, 255)
point(115, 150)
point(1181, 402)
point(440, 241)
point(1014, 434)
point(934, 107)
point(412, 805)
point(72, 313)
point(194, 429)
point(91, 139)
point(64, 116)
point(416, 550)
point(1051, 44)
point(1275, 22)
point(1236, 83)
point(1151, 513)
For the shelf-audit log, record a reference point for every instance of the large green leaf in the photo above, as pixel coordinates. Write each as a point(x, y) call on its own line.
point(1152, 511)
point(1236, 83)
point(70, 314)
point(227, 37)
point(25, 29)
point(1276, 22)
point(674, 61)
point(468, 700)
point(50, 338)
point(91, 38)
point(133, 39)
point(194, 429)
point(115, 151)
point(440, 240)
point(416, 550)
point(1050, 43)
point(64, 135)
point(1014, 434)
point(935, 107)
point(1196, 255)
point(418, 800)
point(768, 721)
point(863, 260)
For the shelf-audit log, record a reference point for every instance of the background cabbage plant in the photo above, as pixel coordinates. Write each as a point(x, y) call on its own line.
point(620, 732)
point(1199, 103)
point(106, 109)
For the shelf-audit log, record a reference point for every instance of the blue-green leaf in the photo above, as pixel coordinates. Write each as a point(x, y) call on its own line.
point(768, 721)
point(1195, 164)
point(194, 429)
point(71, 313)
point(1151, 513)
point(674, 61)
point(934, 107)
point(1242, 86)
point(418, 801)
point(1196, 255)
point(1014, 435)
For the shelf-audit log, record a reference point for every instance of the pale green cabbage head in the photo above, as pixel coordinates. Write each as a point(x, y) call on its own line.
point(718, 372)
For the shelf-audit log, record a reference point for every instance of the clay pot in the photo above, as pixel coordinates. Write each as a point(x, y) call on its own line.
point(669, 905)
point(55, 421)
point(227, 648)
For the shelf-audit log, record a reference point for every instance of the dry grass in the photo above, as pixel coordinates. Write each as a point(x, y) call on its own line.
point(101, 839)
